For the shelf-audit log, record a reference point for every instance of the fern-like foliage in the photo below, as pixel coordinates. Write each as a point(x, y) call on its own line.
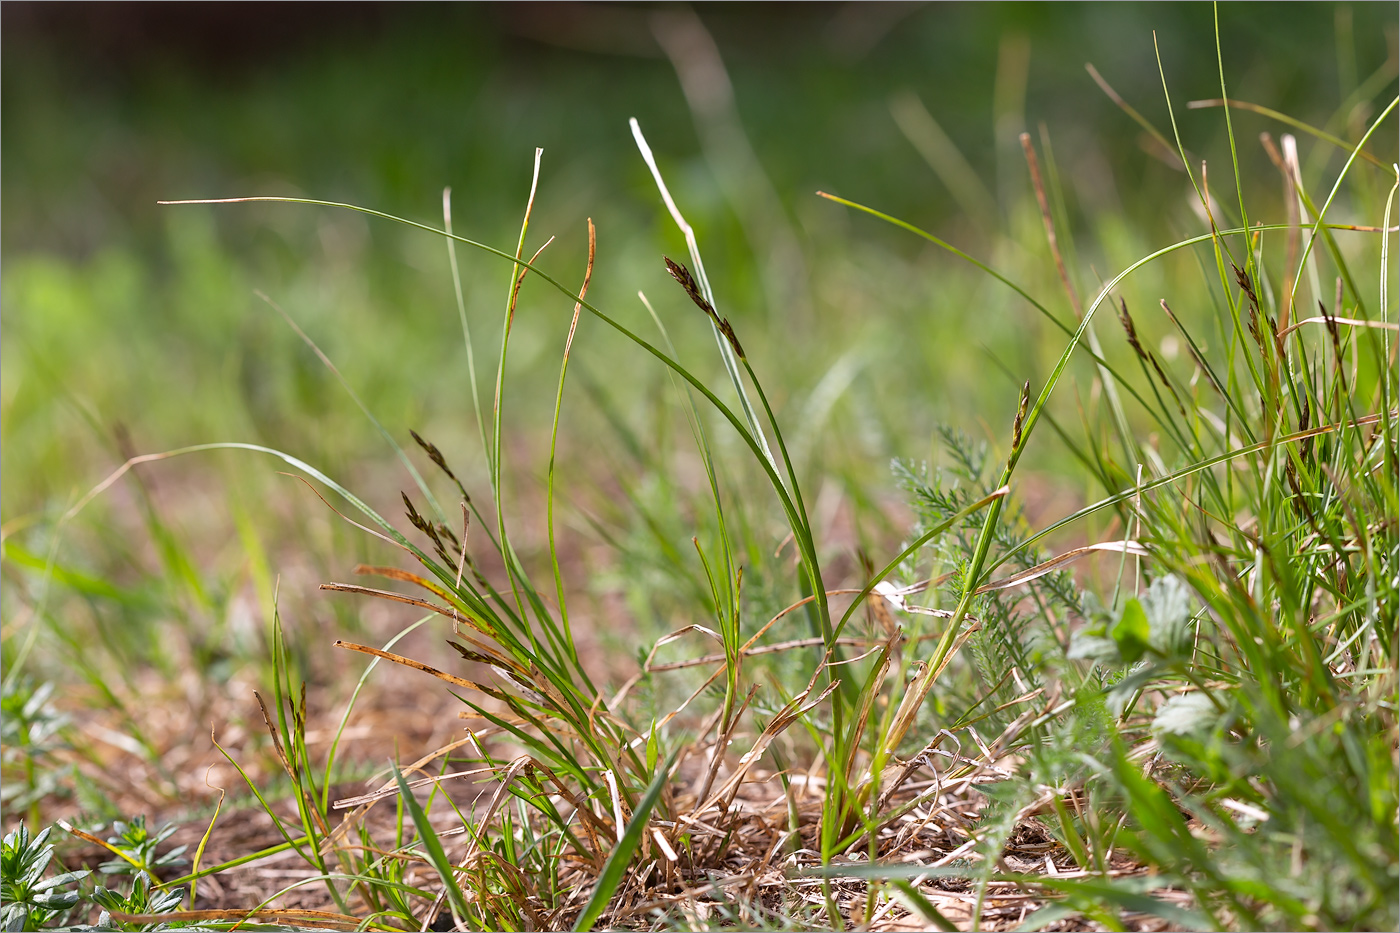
point(1025, 630)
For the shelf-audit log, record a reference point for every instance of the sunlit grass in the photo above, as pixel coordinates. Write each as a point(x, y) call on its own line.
point(1200, 728)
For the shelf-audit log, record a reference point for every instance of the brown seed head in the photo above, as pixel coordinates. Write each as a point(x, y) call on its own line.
point(1020, 415)
point(687, 281)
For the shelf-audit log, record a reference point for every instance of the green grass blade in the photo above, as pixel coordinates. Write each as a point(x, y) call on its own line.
point(462, 312)
point(359, 402)
point(726, 352)
point(1285, 119)
point(617, 863)
point(350, 705)
point(1337, 186)
point(912, 549)
point(432, 844)
point(921, 905)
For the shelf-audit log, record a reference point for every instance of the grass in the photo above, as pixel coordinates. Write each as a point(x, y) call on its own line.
point(1198, 731)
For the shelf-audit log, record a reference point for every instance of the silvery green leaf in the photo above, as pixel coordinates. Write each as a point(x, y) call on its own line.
point(1185, 713)
point(56, 900)
point(163, 902)
point(58, 881)
point(1093, 610)
point(1167, 604)
point(1092, 647)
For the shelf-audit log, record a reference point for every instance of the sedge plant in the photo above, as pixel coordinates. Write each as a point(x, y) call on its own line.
point(1222, 715)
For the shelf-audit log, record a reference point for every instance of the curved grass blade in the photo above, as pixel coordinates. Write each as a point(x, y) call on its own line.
point(756, 445)
point(1377, 418)
point(462, 312)
point(204, 842)
point(553, 448)
point(350, 705)
point(1337, 186)
point(355, 397)
point(1283, 118)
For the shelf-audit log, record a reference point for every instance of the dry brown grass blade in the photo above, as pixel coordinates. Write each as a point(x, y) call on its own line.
point(1129, 547)
point(483, 654)
point(898, 774)
point(118, 473)
point(420, 666)
point(688, 700)
point(558, 728)
point(593, 824)
point(346, 803)
point(390, 595)
point(1291, 238)
point(338, 835)
point(288, 763)
point(524, 271)
point(276, 739)
point(403, 576)
point(790, 713)
point(392, 573)
point(919, 688)
point(647, 668)
point(365, 528)
point(462, 558)
point(447, 749)
point(748, 648)
point(775, 728)
point(1049, 223)
point(587, 277)
point(878, 674)
point(723, 743)
point(1351, 321)
point(672, 636)
point(1014, 729)
point(514, 771)
point(810, 642)
point(1167, 152)
point(93, 840)
point(316, 919)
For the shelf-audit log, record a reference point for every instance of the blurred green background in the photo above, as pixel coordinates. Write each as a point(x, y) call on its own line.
point(133, 328)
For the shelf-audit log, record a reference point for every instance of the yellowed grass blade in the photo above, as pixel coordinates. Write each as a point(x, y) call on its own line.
point(390, 595)
point(419, 666)
point(317, 919)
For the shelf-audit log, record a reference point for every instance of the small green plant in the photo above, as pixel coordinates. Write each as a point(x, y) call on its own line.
point(135, 847)
point(143, 898)
point(30, 732)
point(32, 897)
